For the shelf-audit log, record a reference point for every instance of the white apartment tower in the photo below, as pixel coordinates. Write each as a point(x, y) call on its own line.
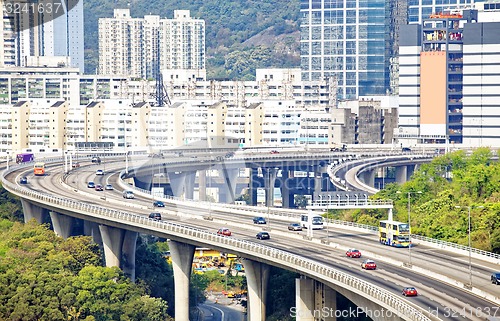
point(141, 47)
point(55, 34)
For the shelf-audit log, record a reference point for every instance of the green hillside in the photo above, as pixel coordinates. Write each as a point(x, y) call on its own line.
point(240, 35)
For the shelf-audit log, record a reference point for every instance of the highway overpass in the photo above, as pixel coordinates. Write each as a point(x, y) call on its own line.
point(320, 258)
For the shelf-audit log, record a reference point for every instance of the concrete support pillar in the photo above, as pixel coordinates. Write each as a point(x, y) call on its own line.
point(401, 174)
point(62, 224)
point(128, 248)
point(368, 177)
point(182, 261)
point(325, 299)
point(257, 275)
point(304, 299)
point(410, 169)
point(318, 181)
point(177, 182)
point(285, 188)
point(254, 184)
point(230, 176)
point(189, 184)
point(312, 299)
point(112, 239)
point(32, 211)
point(202, 185)
point(269, 174)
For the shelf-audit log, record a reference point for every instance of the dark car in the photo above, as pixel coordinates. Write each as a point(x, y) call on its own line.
point(294, 227)
point(91, 185)
point(263, 236)
point(96, 159)
point(158, 204)
point(353, 253)
point(23, 180)
point(259, 220)
point(155, 216)
point(98, 187)
point(406, 150)
point(409, 291)
point(495, 277)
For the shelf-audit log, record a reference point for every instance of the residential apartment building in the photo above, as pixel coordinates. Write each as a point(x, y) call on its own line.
point(142, 47)
point(449, 89)
point(54, 33)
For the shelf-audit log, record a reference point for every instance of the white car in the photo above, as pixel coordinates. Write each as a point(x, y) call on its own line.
point(99, 172)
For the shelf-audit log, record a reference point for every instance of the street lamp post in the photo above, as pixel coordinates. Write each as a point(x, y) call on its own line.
point(469, 286)
point(8, 157)
point(409, 224)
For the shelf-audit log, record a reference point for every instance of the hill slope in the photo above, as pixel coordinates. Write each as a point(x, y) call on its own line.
point(240, 35)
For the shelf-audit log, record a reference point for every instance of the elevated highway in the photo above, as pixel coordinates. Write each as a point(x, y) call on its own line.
point(320, 257)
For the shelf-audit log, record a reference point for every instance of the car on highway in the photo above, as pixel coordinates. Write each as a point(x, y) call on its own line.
point(274, 152)
point(263, 236)
point(108, 187)
point(353, 253)
point(158, 204)
point(91, 185)
point(76, 165)
point(99, 172)
point(259, 220)
point(294, 227)
point(98, 187)
point(96, 159)
point(369, 265)
point(409, 291)
point(155, 216)
point(224, 231)
point(128, 194)
point(495, 277)
point(23, 180)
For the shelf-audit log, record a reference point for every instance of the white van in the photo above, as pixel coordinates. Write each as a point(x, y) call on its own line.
point(128, 194)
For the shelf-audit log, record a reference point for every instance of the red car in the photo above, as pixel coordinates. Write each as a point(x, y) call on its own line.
point(353, 253)
point(98, 187)
point(224, 231)
point(368, 265)
point(410, 291)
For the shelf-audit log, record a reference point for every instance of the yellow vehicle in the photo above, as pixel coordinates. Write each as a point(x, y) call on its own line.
point(394, 233)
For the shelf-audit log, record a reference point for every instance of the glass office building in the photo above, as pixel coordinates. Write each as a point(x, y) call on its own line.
point(357, 41)
point(422, 9)
point(348, 40)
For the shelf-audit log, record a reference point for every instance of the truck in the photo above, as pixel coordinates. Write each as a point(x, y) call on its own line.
point(25, 157)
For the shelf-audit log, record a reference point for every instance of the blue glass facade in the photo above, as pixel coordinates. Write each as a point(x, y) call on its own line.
point(346, 39)
point(354, 40)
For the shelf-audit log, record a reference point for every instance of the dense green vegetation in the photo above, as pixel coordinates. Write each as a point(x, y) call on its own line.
point(240, 35)
point(44, 277)
point(475, 182)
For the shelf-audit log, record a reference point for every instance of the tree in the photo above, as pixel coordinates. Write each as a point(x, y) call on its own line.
point(45, 277)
